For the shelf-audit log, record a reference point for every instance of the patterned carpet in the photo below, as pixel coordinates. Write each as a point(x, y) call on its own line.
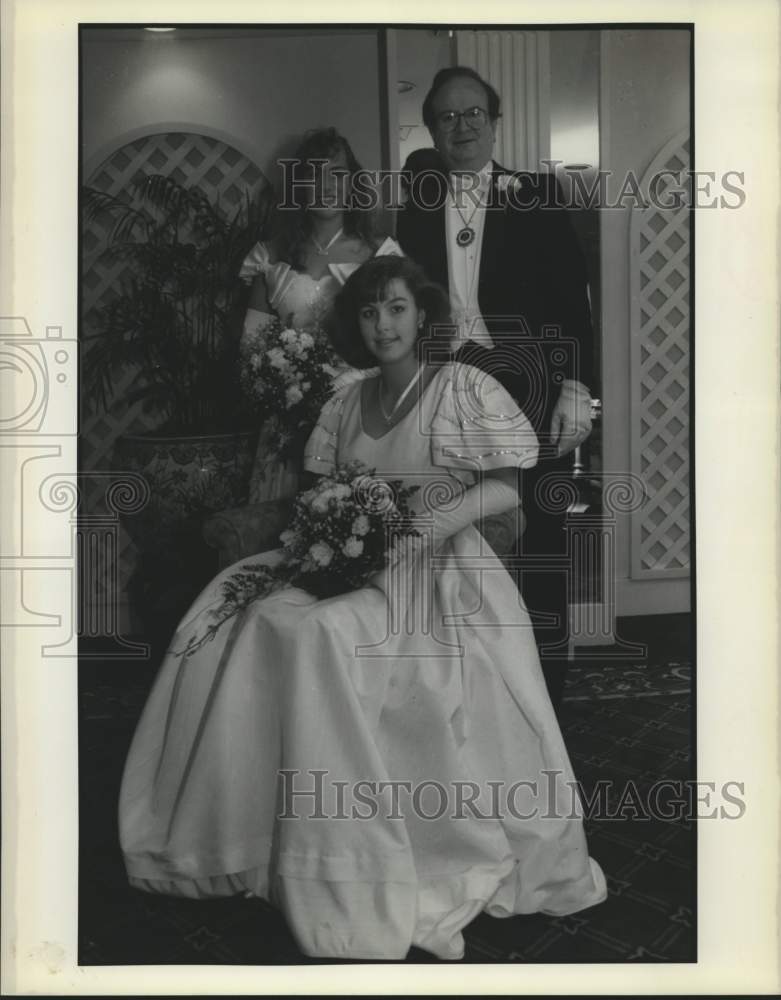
point(630, 724)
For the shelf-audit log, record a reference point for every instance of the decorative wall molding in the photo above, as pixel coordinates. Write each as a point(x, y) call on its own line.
point(106, 150)
point(659, 373)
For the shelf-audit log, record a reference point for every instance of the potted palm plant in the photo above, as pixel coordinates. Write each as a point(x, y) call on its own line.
point(175, 324)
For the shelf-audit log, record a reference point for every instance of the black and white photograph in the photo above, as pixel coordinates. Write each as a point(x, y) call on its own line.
point(384, 522)
point(317, 262)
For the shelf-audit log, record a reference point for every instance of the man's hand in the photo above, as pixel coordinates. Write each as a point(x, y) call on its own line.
point(571, 419)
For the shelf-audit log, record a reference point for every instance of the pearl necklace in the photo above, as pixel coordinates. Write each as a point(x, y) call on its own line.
point(323, 250)
point(388, 417)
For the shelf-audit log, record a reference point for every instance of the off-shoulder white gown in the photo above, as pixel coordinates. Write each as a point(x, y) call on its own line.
point(330, 699)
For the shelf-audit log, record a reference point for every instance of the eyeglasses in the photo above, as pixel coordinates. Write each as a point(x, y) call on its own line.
point(475, 118)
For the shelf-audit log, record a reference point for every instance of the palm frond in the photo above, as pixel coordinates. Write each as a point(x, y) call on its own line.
point(97, 205)
point(177, 316)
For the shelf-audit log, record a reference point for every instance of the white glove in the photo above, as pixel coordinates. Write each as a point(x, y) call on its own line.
point(408, 569)
point(489, 496)
point(571, 419)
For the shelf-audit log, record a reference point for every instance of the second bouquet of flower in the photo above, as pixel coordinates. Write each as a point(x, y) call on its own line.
point(288, 374)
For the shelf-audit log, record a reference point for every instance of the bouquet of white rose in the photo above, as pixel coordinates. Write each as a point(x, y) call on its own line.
point(288, 375)
point(342, 533)
point(342, 527)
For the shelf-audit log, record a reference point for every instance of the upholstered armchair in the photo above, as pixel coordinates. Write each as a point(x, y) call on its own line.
point(244, 531)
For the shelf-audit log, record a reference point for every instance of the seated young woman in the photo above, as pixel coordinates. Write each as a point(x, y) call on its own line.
point(380, 785)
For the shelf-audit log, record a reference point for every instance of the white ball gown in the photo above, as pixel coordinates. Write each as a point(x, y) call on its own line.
point(301, 695)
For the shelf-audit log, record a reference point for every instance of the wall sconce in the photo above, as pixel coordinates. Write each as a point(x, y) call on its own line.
point(405, 86)
point(158, 30)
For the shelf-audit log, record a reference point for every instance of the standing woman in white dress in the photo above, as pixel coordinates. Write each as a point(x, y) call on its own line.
point(318, 239)
point(381, 786)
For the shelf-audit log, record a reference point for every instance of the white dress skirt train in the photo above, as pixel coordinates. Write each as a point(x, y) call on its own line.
point(380, 785)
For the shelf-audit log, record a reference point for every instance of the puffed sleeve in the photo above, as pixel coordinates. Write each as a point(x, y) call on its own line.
point(320, 449)
point(478, 426)
point(256, 262)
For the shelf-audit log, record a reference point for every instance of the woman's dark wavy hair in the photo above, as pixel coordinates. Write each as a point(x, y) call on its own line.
point(370, 284)
point(445, 76)
point(292, 227)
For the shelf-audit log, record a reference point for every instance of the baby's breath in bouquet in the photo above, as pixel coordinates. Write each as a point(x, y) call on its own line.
point(288, 375)
point(341, 534)
point(342, 527)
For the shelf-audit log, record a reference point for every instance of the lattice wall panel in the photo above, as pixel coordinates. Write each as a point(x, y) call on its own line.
point(226, 177)
point(661, 533)
point(224, 174)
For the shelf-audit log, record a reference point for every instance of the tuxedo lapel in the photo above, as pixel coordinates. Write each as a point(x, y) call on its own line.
point(494, 229)
point(437, 248)
point(427, 234)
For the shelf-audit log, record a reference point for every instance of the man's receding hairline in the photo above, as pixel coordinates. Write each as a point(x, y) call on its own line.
point(460, 76)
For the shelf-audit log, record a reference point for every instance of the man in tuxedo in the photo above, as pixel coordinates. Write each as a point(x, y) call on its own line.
point(503, 246)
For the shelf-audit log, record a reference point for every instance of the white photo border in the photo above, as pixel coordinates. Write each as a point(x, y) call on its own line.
point(737, 447)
